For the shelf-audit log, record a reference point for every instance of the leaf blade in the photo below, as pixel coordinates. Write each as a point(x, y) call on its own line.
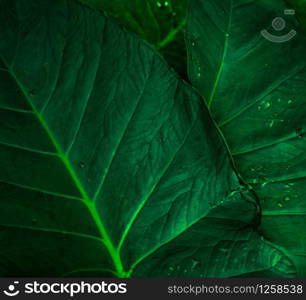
point(139, 164)
point(258, 106)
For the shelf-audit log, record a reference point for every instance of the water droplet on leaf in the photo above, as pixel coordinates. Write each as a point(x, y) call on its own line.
point(271, 123)
point(266, 105)
point(233, 193)
point(81, 164)
point(195, 264)
point(288, 185)
point(264, 184)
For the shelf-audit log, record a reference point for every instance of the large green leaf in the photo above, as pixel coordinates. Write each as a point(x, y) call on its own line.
point(110, 164)
point(161, 23)
point(256, 92)
point(158, 22)
point(300, 10)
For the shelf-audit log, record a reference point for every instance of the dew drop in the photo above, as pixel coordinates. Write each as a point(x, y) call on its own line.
point(195, 264)
point(290, 101)
point(267, 105)
point(166, 3)
point(287, 198)
point(271, 123)
point(81, 164)
point(227, 34)
point(233, 193)
point(259, 107)
point(171, 269)
point(279, 204)
point(158, 4)
point(264, 184)
point(288, 185)
point(193, 44)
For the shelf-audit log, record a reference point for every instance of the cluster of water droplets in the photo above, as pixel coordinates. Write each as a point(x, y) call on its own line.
point(264, 105)
point(285, 200)
point(271, 122)
point(177, 269)
point(161, 4)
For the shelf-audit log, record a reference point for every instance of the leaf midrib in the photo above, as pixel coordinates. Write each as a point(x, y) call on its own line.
point(113, 252)
point(171, 35)
point(220, 70)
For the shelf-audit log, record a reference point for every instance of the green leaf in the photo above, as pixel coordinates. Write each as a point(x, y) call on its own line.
point(161, 23)
point(110, 163)
point(256, 92)
point(300, 10)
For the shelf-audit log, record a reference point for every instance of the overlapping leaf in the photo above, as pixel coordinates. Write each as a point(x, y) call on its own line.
point(161, 23)
point(300, 10)
point(110, 164)
point(255, 89)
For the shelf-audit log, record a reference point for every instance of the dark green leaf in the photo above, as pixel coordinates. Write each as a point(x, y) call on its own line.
point(256, 91)
point(109, 162)
point(161, 23)
point(300, 10)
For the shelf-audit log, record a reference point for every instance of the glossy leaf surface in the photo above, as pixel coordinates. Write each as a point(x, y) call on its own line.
point(109, 162)
point(161, 23)
point(255, 89)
